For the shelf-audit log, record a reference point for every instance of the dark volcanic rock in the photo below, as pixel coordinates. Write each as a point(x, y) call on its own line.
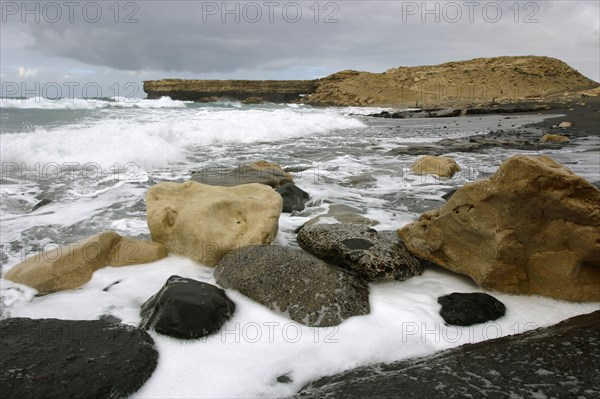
point(294, 197)
point(516, 140)
point(291, 281)
point(425, 113)
point(466, 309)
point(50, 358)
point(373, 255)
point(186, 308)
point(445, 113)
point(506, 109)
point(558, 361)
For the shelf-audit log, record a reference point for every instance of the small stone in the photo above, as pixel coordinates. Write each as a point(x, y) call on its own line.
point(294, 198)
point(284, 379)
point(466, 309)
point(554, 138)
point(435, 165)
point(40, 204)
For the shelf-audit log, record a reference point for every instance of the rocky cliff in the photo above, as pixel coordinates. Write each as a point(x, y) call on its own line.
point(481, 80)
point(276, 91)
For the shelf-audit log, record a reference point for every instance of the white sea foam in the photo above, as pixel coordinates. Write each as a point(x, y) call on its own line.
point(89, 103)
point(155, 138)
point(258, 345)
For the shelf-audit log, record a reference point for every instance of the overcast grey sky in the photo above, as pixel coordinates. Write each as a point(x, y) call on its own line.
point(112, 43)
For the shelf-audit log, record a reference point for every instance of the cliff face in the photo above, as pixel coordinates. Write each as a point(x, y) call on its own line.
point(276, 91)
point(481, 80)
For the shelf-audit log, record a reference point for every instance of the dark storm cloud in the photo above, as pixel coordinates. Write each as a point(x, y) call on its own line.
point(173, 36)
point(190, 36)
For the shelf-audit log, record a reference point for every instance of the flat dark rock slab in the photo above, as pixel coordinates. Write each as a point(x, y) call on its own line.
point(244, 174)
point(558, 361)
point(507, 139)
point(51, 358)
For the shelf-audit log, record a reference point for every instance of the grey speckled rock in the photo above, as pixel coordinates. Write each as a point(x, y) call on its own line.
point(558, 361)
point(372, 254)
point(294, 282)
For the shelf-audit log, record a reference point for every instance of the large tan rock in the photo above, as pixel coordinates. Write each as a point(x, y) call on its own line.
point(441, 166)
point(72, 265)
point(532, 228)
point(206, 222)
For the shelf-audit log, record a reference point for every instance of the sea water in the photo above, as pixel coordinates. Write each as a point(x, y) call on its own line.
point(94, 159)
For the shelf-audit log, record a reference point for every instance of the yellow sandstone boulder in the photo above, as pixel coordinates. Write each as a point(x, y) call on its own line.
point(532, 228)
point(206, 222)
point(432, 165)
point(72, 265)
point(554, 138)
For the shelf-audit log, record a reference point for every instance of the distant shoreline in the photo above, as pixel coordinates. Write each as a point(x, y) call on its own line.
point(476, 82)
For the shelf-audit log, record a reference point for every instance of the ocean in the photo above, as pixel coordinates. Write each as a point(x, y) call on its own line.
point(94, 159)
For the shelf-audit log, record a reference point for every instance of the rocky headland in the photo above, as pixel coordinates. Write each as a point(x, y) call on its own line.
point(452, 84)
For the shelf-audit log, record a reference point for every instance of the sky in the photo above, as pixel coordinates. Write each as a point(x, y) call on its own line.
point(107, 48)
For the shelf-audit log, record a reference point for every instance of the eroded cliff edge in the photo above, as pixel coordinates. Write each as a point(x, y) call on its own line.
point(275, 91)
point(481, 80)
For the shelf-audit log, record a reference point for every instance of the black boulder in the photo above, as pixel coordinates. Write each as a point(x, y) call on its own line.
point(186, 308)
point(465, 309)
